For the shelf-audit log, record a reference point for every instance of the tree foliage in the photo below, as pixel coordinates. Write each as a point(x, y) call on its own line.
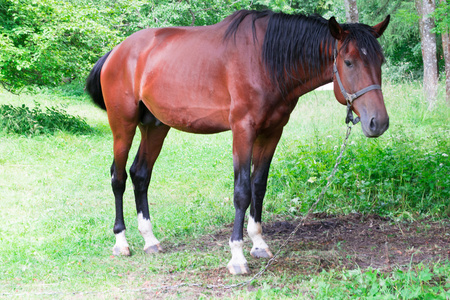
point(50, 42)
point(401, 40)
point(442, 17)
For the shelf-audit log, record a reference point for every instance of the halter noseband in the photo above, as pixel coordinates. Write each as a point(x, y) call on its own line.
point(350, 97)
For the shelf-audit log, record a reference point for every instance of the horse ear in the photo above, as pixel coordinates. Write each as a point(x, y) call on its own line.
point(335, 29)
point(381, 27)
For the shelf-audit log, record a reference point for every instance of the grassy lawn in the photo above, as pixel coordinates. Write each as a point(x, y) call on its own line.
point(57, 207)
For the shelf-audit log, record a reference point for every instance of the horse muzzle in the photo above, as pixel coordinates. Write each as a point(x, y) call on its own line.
point(374, 126)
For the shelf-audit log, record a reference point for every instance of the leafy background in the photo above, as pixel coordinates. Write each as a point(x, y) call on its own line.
point(52, 43)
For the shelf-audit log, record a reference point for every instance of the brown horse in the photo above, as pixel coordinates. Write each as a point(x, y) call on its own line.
point(244, 74)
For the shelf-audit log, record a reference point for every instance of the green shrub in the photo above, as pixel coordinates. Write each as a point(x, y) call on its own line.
point(405, 172)
point(34, 121)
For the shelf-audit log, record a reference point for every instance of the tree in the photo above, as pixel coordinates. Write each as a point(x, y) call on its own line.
point(51, 42)
point(442, 16)
point(446, 47)
point(48, 42)
point(351, 11)
point(428, 39)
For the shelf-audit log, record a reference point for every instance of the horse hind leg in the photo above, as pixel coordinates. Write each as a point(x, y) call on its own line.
point(153, 134)
point(121, 246)
point(118, 182)
point(123, 119)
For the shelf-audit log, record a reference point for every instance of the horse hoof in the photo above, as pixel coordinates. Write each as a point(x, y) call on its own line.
point(238, 269)
point(153, 249)
point(125, 251)
point(261, 253)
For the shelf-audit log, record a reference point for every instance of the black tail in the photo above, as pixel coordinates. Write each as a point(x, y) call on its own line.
point(93, 85)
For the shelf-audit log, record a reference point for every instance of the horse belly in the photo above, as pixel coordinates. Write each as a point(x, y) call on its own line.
point(201, 122)
point(189, 110)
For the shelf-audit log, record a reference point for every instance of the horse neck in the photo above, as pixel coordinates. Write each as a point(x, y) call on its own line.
point(309, 81)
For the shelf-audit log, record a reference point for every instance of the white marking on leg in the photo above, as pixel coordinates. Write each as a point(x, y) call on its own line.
point(238, 263)
point(237, 252)
point(254, 230)
point(260, 248)
point(145, 228)
point(121, 247)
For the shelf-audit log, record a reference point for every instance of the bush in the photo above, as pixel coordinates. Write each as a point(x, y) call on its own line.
point(34, 121)
point(406, 172)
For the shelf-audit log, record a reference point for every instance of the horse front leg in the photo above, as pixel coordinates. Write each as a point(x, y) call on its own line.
point(263, 151)
point(242, 149)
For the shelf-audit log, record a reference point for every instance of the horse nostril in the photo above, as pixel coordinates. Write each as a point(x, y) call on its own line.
point(373, 124)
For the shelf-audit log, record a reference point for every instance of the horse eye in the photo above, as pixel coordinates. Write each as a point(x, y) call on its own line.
point(348, 63)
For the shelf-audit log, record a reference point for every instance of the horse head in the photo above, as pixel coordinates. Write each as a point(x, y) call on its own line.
point(357, 73)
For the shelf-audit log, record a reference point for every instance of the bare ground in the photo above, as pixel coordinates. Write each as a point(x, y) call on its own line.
point(326, 242)
point(357, 241)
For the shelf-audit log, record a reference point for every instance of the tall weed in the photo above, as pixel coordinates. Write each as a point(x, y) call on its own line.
point(36, 121)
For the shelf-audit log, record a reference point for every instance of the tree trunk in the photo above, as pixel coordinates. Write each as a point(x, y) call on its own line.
point(428, 41)
point(351, 11)
point(446, 47)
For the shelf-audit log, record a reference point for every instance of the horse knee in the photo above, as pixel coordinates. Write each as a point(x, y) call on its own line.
point(242, 193)
point(140, 176)
point(259, 190)
point(118, 184)
point(242, 199)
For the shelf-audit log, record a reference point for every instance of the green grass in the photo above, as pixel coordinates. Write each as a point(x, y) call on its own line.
point(56, 204)
point(419, 282)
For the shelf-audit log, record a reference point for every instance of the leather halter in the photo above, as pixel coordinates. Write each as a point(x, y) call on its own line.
point(350, 97)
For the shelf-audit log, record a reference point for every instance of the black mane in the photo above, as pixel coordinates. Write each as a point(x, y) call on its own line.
point(240, 15)
point(295, 41)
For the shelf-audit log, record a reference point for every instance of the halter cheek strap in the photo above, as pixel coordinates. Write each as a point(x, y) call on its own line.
point(350, 97)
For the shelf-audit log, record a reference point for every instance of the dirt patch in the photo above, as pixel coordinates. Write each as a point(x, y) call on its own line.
point(358, 241)
point(353, 241)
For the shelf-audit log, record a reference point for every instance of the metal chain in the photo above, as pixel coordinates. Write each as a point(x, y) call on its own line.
point(269, 263)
